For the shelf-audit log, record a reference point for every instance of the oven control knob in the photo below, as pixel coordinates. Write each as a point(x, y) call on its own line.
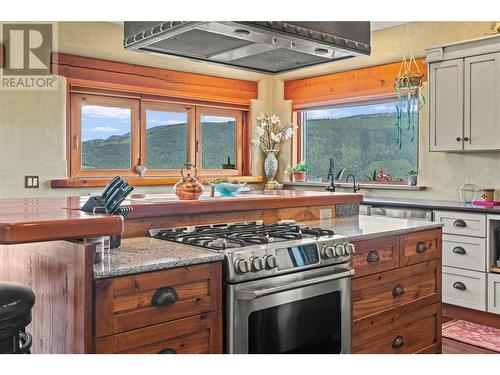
point(328, 252)
point(271, 261)
point(242, 266)
point(257, 264)
point(339, 250)
point(349, 248)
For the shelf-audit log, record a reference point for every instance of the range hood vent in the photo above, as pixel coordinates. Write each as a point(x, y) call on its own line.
point(267, 47)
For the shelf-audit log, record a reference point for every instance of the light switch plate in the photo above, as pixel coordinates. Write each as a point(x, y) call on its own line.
point(31, 182)
point(325, 214)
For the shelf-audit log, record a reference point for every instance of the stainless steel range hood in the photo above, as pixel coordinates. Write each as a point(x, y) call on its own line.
point(268, 47)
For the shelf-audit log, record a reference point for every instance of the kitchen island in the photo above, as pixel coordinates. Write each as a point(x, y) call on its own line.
point(87, 305)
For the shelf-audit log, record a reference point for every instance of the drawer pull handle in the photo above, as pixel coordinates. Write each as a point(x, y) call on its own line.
point(459, 223)
point(459, 250)
point(373, 257)
point(398, 290)
point(398, 342)
point(164, 297)
point(459, 285)
point(168, 351)
point(421, 247)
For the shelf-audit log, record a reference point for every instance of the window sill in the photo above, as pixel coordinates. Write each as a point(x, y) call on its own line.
point(384, 186)
point(135, 181)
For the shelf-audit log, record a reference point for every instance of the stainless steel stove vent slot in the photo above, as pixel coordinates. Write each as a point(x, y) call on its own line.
point(267, 47)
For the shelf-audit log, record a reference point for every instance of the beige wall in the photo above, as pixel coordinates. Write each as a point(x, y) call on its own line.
point(32, 123)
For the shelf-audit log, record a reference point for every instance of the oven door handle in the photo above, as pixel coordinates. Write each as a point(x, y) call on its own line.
point(247, 294)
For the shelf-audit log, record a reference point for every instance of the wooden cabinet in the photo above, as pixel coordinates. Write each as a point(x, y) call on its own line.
point(464, 94)
point(446, 105)
point(396, 306)
point(177, 309)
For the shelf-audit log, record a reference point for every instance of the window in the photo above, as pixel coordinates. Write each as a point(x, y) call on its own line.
point(112, 135)
point(361, 138)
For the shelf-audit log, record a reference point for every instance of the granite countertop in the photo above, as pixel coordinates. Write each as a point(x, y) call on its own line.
point(430, 204)
point(361, 227)
point(144, 254)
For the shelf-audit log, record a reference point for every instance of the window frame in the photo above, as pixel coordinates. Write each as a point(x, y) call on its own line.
point(238, 115)
point(139, 104)
point(298, 147)
point(77, 100)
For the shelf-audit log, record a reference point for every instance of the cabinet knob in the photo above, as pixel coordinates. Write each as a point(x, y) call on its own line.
point(398, 290)
point(459, 250)
point(373, 257)
point(466, 139)
point(421, 247)
point(398, 342)
point(459, 139)
point(459, 223)
point(459, 285)
point(168, 351)
point(164, 297)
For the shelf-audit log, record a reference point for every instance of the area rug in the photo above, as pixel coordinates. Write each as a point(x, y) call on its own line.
point(473, 334)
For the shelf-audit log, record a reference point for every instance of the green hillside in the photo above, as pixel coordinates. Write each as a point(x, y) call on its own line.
point(360, 144)
point(166, 148)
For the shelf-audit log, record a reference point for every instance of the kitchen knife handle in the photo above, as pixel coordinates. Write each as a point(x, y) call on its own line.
point(373, 257)
point(164, 297)
point(421, 247)
point(459, 250)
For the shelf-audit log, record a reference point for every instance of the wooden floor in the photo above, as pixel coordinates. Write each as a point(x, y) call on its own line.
point(456, 347)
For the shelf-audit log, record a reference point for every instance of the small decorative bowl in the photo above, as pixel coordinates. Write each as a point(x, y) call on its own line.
point(228, 190)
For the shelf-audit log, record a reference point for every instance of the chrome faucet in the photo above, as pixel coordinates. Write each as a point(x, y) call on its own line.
point(355, 187)
point(331, 177)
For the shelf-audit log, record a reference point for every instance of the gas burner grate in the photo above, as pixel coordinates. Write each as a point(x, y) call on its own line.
point(318, 232)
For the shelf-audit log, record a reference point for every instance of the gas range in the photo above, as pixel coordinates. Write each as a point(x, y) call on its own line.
point(254, 250)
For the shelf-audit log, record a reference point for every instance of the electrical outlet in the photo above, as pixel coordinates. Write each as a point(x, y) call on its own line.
point(31, 182)
point(325, 214)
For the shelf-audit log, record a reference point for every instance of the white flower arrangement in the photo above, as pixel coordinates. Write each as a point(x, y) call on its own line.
point(270, 132)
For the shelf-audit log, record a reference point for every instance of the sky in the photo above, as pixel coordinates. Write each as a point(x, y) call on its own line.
point(340, 112)
point(100, 122)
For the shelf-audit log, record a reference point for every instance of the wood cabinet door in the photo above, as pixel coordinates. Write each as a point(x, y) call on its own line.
point(482, 102)
point(446, 105)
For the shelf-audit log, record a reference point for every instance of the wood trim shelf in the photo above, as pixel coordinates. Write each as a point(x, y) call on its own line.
point(135, 181)
point(112, 75)
point(370, 83)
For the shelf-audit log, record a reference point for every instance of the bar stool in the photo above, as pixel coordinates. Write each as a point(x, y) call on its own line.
point(16, 301)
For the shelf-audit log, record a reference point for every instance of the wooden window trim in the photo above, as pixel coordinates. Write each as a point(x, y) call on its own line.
point(75, 143)
point(167, 107)
point(140, 104)
point(238, 141)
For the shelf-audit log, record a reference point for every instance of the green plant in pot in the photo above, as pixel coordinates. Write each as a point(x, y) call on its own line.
point(412, 178)
point(299, 171)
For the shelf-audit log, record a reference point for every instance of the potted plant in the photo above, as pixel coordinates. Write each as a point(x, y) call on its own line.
point(299, 171)
point(412, 178)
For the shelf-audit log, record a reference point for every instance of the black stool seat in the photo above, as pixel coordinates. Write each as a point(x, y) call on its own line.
point(16, 302)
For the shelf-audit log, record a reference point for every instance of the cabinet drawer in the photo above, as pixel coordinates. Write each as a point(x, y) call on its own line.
point(136, 301)
point(464, 252)
point(193, 335)
point(407, 288)
point(373, 256)
point(494, 293)
point(462, 223)
point(417, 332)
point(420, 246)
point(464, 288)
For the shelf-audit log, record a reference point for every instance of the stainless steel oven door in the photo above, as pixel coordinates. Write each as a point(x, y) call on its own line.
point(302, 312)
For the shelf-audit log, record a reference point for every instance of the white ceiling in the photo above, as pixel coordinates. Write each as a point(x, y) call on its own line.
point(379, 25)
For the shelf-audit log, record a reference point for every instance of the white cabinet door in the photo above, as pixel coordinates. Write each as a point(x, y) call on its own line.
point(494, 293)
point(482, 102)
point(446, 105)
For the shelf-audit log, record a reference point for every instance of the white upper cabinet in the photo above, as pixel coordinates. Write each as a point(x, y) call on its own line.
point(464, 94)
point(482, 102)
point(446, 103)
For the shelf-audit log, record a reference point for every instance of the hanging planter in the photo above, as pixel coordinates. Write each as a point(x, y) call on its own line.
point(407, 85)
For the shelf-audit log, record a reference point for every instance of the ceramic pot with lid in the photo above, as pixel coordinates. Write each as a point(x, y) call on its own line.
point(188, 188)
